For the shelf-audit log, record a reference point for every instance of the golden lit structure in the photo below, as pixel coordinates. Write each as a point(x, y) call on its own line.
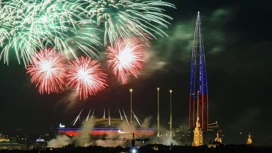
point(4, 140)
point(217, 139)
point(249, 140)
point(198, 135)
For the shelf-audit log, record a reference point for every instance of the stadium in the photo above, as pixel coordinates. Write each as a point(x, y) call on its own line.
point(107, 126)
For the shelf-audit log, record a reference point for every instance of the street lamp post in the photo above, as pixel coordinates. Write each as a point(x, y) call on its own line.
point(171, 128)
point(158, 111)
point(130, 90)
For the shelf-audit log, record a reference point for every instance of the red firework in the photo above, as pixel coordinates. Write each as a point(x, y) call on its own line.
point(47, 71)
point(86, 77)
point(126, 58)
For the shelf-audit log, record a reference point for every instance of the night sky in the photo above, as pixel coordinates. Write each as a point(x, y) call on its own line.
point(238, 47)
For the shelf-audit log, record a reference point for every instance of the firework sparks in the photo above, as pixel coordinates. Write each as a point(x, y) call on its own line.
point(84, 40)
point(125, 18)
point(86, 77)
point(28, 25)
point(47, 71)
point(126, 58)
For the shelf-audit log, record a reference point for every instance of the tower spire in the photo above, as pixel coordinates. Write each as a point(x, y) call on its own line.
point(217, 139)
point(198, 135)
point(249, 140)
point(198, 97)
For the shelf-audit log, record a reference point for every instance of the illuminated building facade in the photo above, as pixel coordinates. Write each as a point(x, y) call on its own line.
point(198, 135)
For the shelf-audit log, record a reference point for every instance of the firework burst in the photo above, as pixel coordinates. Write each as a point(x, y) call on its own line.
point(86, 77)
point(126, 58)
point(27, 26)
point(125, 18)
point(47, 71)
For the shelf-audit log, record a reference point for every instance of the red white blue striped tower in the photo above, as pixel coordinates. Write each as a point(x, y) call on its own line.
point(198, 99)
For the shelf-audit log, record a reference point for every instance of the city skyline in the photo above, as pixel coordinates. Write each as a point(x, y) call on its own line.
point(237, 49)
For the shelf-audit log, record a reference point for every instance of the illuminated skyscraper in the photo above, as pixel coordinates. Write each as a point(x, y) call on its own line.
point(198, 99)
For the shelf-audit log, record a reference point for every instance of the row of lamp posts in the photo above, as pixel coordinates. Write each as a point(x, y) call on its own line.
point(158, 111)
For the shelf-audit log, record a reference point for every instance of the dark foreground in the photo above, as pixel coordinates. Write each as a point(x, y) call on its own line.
point(152, 149)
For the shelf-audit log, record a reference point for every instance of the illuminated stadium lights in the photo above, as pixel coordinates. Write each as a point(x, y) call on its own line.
point(106, 131)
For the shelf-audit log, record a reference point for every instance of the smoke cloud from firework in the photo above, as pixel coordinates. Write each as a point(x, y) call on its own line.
point(123, 139)
point(152, 63)
point(179, 45)
point(83, 139)
point(69, 100)
point(164, 138)
point(59, 142)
